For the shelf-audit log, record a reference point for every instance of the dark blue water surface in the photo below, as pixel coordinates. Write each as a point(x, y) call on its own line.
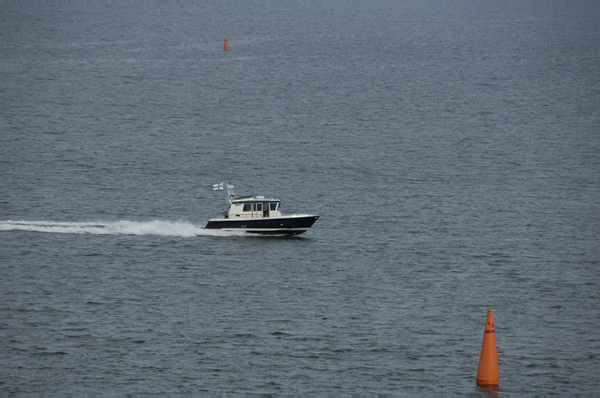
point(451, 148)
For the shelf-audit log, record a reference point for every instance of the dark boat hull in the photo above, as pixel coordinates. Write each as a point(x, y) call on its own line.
point(266, 226)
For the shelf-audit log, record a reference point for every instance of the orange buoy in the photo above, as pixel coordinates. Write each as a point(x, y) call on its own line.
point(487, 374)
point(226, 48)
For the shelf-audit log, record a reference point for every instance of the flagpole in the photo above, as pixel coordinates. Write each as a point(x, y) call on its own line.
point(230, 193)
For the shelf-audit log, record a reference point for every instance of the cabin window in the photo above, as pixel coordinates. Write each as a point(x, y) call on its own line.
point(247, 207)
point(258, 206)
point(273, 206)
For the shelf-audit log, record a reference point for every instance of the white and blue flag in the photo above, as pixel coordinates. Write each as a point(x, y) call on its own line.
point(218, 187)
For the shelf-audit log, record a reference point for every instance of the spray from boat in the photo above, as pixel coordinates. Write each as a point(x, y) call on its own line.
point(156, 228)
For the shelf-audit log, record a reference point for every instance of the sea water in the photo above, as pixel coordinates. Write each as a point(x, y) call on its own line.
point(451, 149)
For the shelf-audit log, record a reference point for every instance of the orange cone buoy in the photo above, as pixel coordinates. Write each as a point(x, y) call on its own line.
point(226, 48)
point(487, 374)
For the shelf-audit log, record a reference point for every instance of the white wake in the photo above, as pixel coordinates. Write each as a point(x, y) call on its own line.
point(160, 228)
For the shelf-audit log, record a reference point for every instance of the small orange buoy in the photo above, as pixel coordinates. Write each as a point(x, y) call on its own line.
point(487, 374)
point(226, 48)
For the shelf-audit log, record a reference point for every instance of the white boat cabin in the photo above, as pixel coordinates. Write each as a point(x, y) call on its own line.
point(254, 207)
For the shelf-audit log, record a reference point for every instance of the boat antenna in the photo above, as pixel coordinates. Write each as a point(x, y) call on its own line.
point(230, 194)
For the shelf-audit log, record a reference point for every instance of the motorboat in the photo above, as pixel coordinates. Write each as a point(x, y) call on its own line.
point(258, 215)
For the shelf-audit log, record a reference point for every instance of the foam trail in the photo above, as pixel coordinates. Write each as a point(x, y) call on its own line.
point(159, 228)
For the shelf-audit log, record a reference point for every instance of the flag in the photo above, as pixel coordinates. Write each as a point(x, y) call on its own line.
point(218, 187)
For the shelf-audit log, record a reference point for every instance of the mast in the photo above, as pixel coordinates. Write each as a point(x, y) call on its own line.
point(230, 194)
